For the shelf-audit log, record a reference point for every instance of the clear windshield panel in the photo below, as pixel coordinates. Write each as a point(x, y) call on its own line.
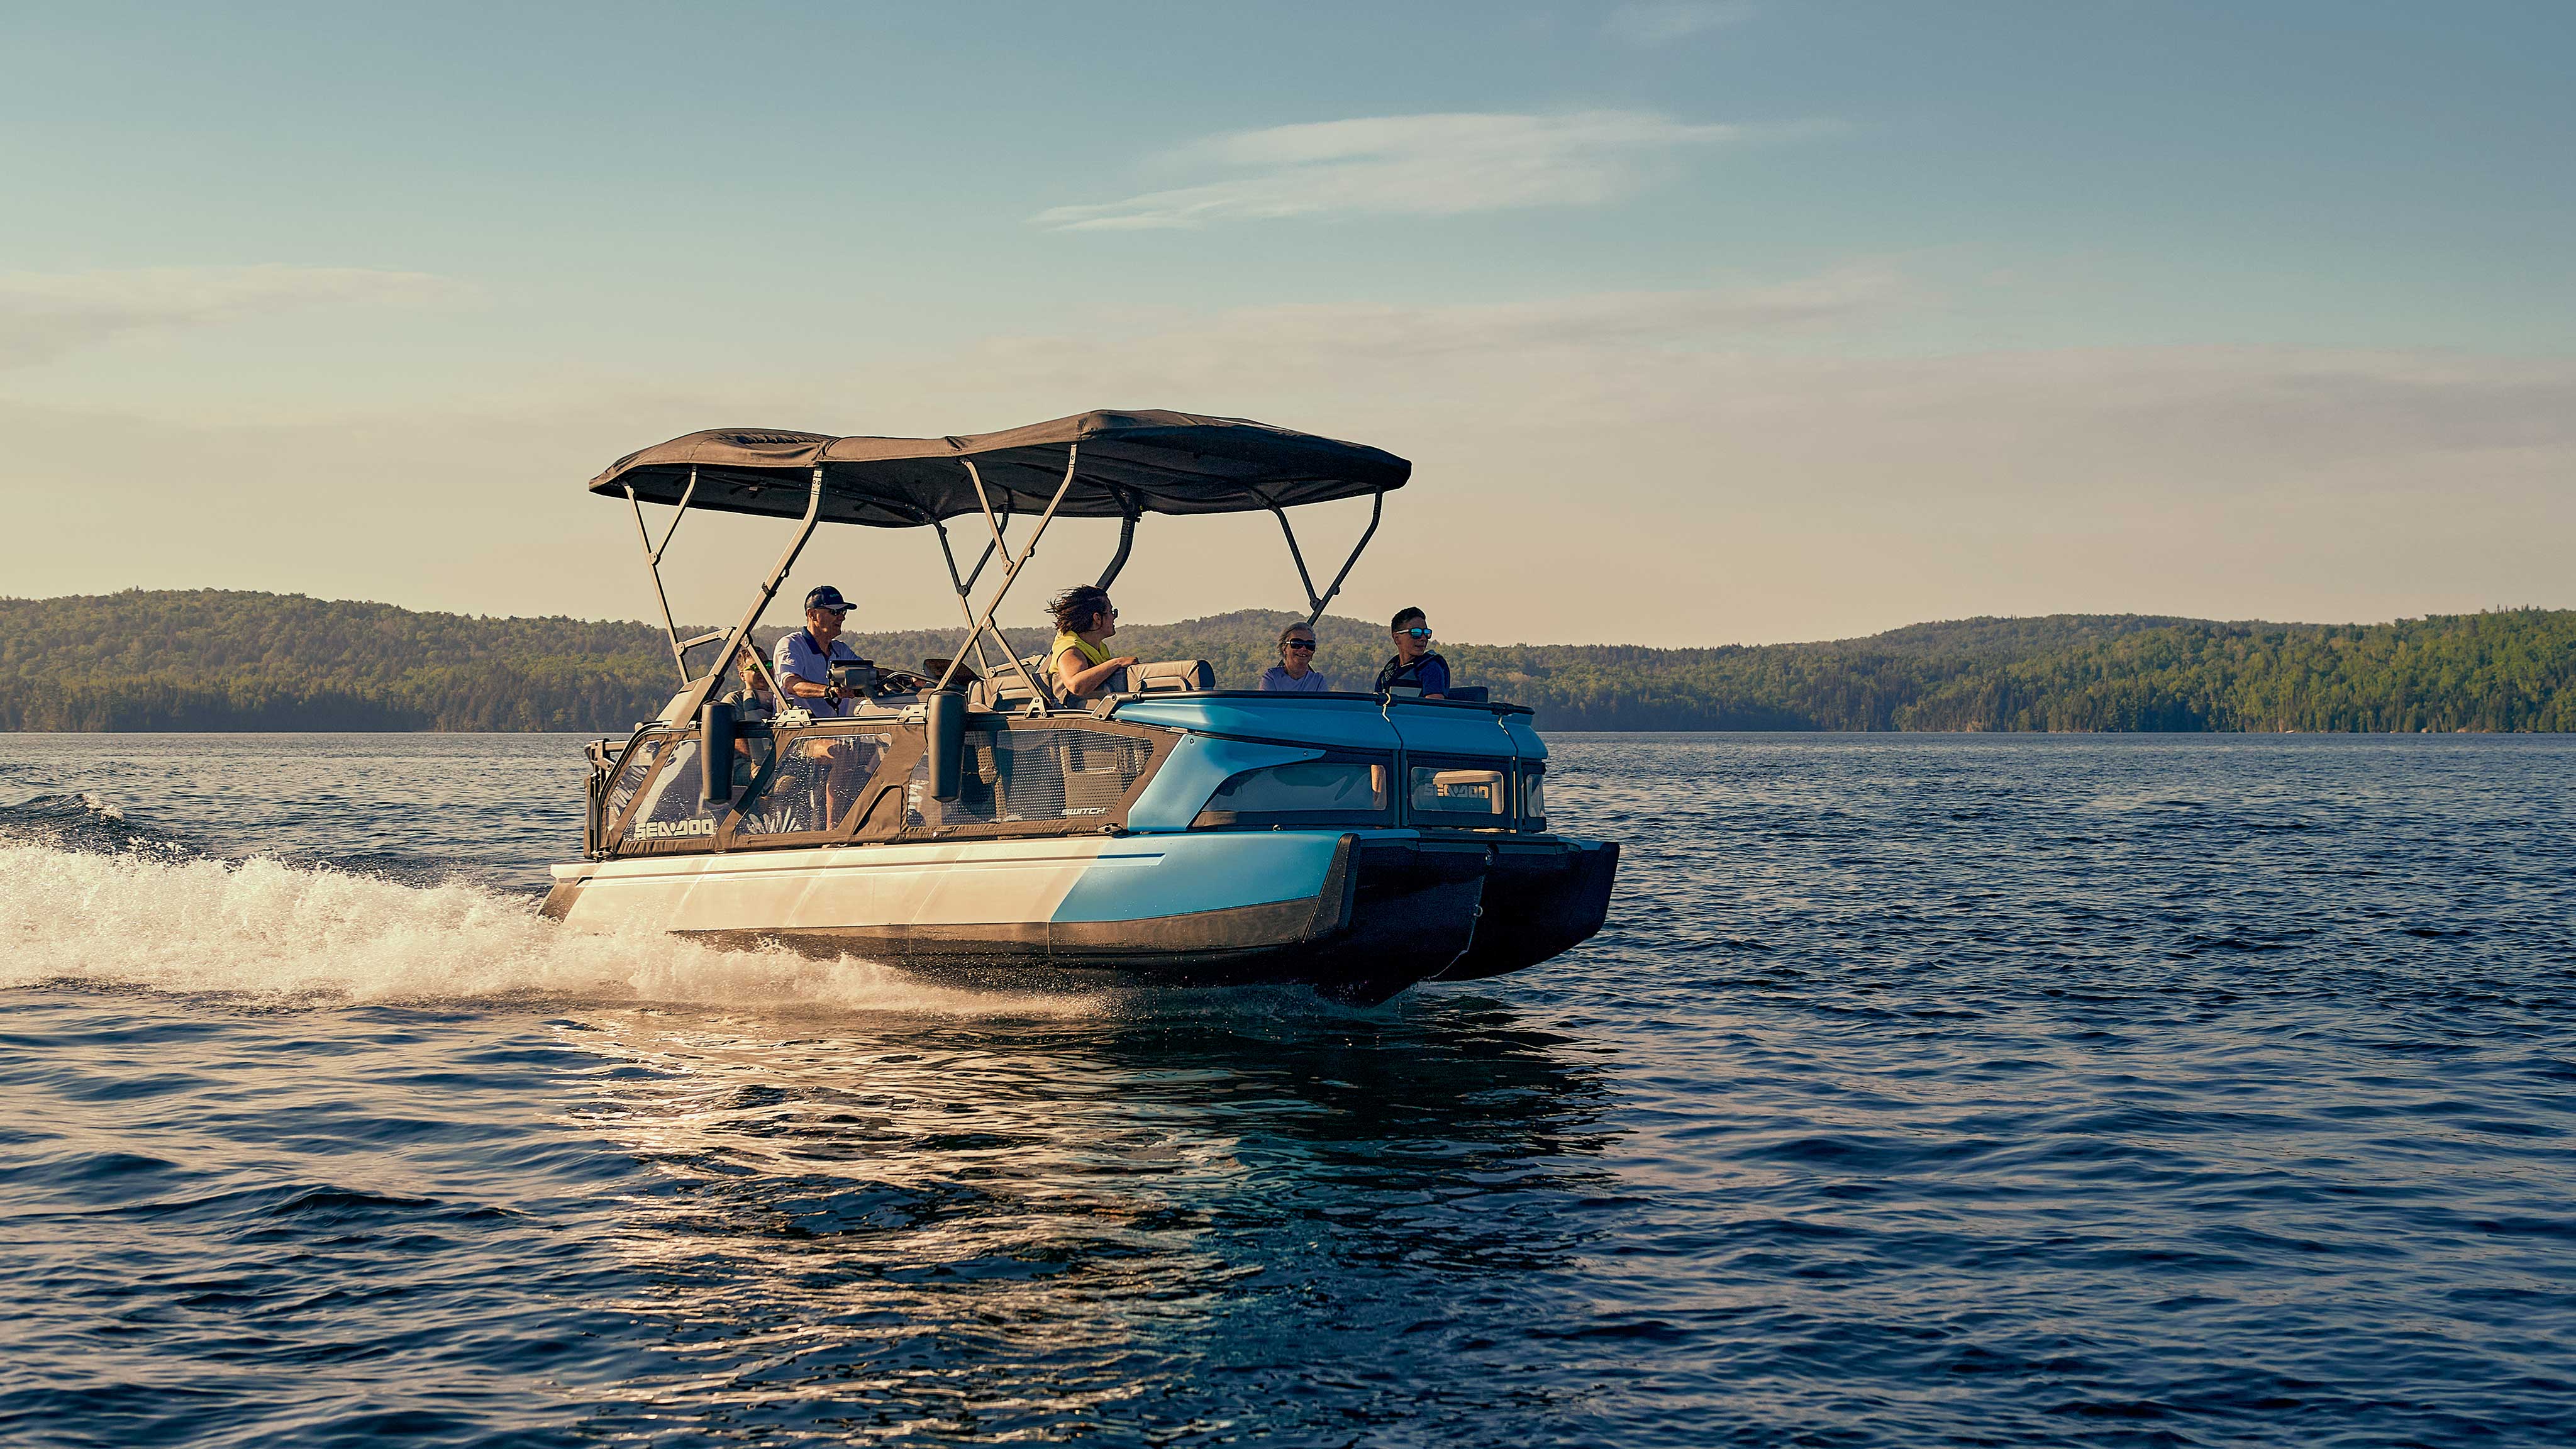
point(818, 779)
point(1012, 776)
point(1460, 796)
point(673, 805)
point(1534, 793)
point(631, 773)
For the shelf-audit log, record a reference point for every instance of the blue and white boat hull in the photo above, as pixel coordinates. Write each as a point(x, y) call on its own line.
point(1360, 915)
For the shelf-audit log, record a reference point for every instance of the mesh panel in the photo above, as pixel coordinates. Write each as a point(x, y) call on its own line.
point(817, 780)
point(1034, 775)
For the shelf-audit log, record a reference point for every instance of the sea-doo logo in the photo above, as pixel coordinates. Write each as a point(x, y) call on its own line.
point(674, 829)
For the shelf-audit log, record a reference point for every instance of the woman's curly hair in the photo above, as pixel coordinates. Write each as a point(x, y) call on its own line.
point(1075, 608)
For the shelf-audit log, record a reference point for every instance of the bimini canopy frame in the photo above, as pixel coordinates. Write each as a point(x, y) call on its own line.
point(1118, 465)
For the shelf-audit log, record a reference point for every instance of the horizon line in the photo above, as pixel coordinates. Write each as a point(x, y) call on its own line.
point(2164, 620)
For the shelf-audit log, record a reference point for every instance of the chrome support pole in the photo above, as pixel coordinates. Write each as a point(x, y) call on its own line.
point(653, 566)
point(1315, 602)
point(696, 695)
point(1377, 510)
point(681, 512)
point(965, 602)
point(1126, 540)
point(1011, 566)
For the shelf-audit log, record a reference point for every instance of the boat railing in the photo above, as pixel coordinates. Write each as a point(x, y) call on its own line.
point(867, 778)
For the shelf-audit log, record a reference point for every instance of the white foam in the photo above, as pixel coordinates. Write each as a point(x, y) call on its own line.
point(264, 929)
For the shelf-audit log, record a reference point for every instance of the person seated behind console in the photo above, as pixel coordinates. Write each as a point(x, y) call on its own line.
point(1084, 620)
point(1295, 673)
point(806, 656)
point(753, 703)
point(1415, 667)
point(754, 700)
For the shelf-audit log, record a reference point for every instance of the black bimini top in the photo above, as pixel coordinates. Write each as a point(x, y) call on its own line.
point(1127, 463)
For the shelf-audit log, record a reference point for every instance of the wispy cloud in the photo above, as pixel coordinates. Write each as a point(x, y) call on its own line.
point(44, 315)
point(1663, 24)
point(1433, 165)
point(1338, 334)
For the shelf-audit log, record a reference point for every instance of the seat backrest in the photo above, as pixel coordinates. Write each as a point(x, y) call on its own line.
point(1170, 676)
point(1005, 692)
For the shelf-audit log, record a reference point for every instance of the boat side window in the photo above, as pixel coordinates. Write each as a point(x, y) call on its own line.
point(1013, 776)
point(631, 771)
point(818, 778)
point(1459, 795)
point(672, 807)
point(1533, 794)
point(1332, 791)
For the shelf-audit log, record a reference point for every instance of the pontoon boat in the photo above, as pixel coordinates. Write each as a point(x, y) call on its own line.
point(969, 822)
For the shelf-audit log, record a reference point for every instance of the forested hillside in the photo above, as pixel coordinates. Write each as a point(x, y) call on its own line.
point(214, 660)
point(211, 660)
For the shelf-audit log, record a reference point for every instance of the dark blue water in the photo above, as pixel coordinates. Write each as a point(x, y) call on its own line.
point(1922, 1091)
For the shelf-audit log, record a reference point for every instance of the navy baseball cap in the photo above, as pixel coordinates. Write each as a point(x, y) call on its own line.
point(827, 597)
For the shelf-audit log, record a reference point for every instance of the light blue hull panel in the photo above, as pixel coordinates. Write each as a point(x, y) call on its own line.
point(1179, 875)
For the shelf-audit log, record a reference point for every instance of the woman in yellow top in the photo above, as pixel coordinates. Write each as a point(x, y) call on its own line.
point(1083, 619)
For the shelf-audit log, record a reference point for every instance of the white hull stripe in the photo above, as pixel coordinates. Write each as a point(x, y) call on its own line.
point(965, 884)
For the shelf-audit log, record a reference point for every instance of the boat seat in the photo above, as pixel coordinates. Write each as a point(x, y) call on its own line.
point(1170, 676)
point(1004, 692)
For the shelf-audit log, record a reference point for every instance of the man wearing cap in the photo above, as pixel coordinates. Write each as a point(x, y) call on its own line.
point(806, 656)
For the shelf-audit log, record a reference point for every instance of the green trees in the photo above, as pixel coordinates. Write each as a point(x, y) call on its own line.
point(217, 660)
point(214, 660)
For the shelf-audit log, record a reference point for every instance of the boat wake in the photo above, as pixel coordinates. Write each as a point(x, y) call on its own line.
point(87, 898)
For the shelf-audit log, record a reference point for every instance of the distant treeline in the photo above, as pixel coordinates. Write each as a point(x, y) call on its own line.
point(211, 660)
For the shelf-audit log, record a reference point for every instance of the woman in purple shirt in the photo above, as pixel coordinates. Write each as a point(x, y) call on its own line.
point(1295, 673)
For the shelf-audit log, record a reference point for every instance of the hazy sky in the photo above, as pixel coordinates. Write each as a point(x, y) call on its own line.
point(1701, 322)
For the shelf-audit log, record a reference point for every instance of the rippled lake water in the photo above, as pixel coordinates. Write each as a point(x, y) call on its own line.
point(2076, 1090)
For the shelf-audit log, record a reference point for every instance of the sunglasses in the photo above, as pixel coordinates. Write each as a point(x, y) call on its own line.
point(1301, 643)
point(1416, 633)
